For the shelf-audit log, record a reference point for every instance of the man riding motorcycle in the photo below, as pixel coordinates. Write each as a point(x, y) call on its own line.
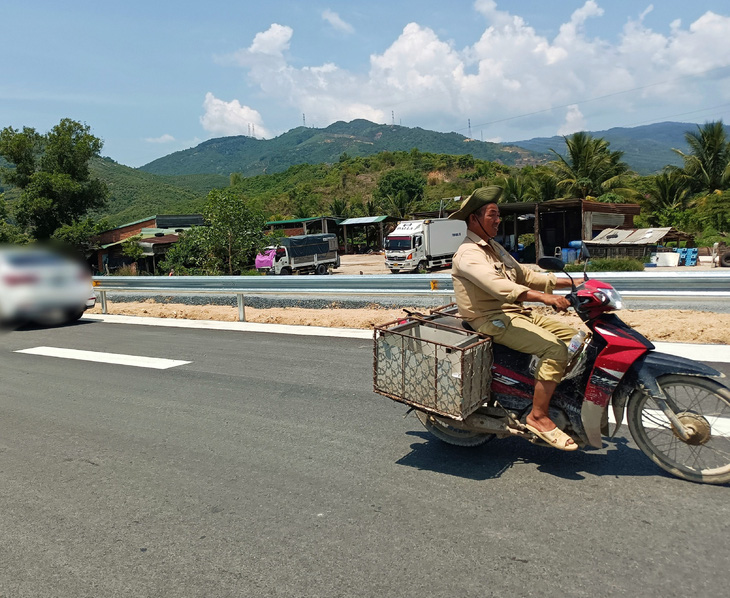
point(490, 287)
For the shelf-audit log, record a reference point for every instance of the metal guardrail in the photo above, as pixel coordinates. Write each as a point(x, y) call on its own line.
point(714, 284)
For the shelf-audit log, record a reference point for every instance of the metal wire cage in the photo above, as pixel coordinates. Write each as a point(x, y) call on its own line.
point(432, 366)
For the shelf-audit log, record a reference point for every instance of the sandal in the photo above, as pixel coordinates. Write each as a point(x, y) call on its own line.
point(555, 438)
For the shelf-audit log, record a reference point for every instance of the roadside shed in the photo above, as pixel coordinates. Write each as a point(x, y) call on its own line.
point(637, 243)
point(560, 221)
point(374, 231)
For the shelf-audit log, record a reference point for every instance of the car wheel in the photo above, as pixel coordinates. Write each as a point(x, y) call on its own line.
point(74, 315)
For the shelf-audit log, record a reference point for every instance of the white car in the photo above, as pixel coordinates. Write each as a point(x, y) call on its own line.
point(42, 286)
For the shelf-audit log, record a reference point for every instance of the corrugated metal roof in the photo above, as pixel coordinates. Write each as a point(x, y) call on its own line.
point(640, 236)
point(151, 232)
point(590, 206)
point(365, 220)
point(157, 240)
point(302, 220)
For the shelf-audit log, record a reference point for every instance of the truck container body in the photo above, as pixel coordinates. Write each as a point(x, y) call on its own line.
point(304, 254)
point(423, 244)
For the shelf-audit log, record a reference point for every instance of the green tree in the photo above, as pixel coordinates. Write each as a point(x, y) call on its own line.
point(234, 233)
point(191, 255)
point(9, 233)
point(543, 184)
point(590, 168)
point(131, 248)
point(712, 212)
point(515, 188)
point(80, 235)
point(667, 197)
point(400, 191)
point(340, 208)
point(52, 170)
point(708, 161)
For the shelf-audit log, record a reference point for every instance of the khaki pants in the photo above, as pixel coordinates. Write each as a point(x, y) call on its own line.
point(534, 334)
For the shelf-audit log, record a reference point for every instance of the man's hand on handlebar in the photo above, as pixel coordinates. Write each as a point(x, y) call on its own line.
point(557, 302)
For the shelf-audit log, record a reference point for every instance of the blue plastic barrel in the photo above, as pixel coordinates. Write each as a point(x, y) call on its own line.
point(575, 244)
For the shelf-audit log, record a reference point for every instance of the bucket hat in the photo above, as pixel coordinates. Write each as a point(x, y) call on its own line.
point(476, 200)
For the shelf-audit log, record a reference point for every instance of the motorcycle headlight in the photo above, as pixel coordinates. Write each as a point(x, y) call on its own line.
point(610, 297)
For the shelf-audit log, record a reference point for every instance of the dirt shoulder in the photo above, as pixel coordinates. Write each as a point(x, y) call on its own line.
point(657, 325)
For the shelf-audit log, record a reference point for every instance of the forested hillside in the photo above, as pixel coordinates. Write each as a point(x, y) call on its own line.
point(134, 194)
point(302, 145)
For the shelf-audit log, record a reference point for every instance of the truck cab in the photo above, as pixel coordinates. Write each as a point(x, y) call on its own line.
point(417, 245)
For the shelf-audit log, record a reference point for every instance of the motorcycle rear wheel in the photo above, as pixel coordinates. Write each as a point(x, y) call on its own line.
point(449, 434)
point(703, 407)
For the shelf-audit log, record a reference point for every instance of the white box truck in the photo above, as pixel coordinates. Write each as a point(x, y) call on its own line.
point(303, 254)
point(417, 245)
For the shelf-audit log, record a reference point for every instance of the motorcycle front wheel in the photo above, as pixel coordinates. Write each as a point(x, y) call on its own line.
point(449, 434)
point(703, 408)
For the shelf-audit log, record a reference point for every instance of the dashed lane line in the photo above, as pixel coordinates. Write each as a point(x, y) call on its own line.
point(137, 361)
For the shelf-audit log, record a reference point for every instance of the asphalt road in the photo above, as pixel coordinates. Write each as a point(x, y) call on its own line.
point(267, 467)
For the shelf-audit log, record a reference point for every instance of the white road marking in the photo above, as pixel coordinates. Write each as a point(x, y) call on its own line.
point(235, 326)
point(137, 361)
point(716, 353)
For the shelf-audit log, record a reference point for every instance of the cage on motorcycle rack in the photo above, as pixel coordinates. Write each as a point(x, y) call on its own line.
point(433, 364)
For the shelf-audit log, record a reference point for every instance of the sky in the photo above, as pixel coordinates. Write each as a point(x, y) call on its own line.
point(151, 77)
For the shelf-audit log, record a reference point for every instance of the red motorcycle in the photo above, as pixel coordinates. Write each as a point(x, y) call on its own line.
point(678, 410)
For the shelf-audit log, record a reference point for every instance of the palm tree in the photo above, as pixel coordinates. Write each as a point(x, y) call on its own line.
point(515, 188)
point(400, 205)
point(340, 208)
point(543, 185)
point(668, 196)
point(590, 168)
point(708, 161)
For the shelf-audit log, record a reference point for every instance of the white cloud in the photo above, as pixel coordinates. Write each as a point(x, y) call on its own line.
point(266, 51)
point(574, 121)
point(231, 118)
point(166, 138)
point(512, 82)
point(274, 41)
point(336, 21)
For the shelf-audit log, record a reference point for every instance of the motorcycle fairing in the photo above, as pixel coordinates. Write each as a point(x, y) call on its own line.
point(622, 346)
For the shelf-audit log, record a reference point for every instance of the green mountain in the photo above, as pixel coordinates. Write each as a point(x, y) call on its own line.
point(304, 145)
point(647, 149)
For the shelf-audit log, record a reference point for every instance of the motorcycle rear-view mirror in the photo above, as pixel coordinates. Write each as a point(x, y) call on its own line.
point(551, 264)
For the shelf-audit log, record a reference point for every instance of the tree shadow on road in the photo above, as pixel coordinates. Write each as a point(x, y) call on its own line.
point(491, 460)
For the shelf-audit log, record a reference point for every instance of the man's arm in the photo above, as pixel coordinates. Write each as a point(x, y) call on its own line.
point(557, 302)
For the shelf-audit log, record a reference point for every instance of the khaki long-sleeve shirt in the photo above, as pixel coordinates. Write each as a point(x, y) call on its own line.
point(488, 280)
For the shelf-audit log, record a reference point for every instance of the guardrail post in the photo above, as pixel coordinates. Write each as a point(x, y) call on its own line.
point(241, 307)
point(103, 301)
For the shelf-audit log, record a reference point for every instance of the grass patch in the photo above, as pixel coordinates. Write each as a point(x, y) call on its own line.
point(608, 264)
